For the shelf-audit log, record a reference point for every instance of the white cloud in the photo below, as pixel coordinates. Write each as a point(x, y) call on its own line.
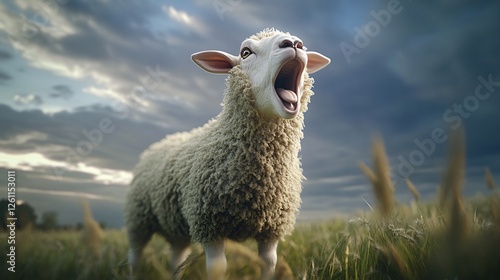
point(31, 161)
point(179, 16)
point(20, 139)
point(68, 193)
point(184, 18)
point(335, 180)
point(28, 99)
point(105, 92)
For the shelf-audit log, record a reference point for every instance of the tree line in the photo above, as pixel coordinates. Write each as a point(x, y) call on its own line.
point(26, 217)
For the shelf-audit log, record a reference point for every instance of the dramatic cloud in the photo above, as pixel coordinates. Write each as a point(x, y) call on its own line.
point(61, 91)
point(4, 55)
point(28, 99)
point(405, 71)
point(4, 76)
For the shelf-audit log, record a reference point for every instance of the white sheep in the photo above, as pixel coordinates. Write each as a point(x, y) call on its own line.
point(238, 176)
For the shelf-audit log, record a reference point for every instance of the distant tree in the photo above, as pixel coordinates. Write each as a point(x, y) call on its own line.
point(103, 225)
point(26, 216)
point(79, 226)
point(24, 213)
point(3, 213)
point(49, 221)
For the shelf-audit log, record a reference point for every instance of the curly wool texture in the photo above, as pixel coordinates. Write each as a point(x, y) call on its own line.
point(236, 177)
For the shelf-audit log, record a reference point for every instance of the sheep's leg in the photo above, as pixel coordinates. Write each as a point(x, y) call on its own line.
point(216, 259)
point(267, 252)
point(137, 240)
point(180, 252)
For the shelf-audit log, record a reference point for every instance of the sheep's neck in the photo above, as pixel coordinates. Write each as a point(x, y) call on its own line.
point(258, 138)
point(262, 139)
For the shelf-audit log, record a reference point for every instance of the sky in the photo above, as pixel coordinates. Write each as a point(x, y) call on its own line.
point(75, 115)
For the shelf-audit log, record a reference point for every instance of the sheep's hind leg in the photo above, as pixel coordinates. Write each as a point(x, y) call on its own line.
point(267, 252)
point(180, 252)
point(136, 246)
point(216, 259)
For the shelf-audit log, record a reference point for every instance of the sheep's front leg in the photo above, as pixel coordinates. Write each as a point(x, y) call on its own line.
point(216, 259)
point(267, 252)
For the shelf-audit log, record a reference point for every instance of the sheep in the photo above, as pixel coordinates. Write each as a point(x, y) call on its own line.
point(239, 176)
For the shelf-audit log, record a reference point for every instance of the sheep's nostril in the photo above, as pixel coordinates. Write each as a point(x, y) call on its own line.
point(286, 44)
point(298, 44)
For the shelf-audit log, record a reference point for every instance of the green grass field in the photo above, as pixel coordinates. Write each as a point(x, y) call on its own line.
point(413, 243)
point(450, 238)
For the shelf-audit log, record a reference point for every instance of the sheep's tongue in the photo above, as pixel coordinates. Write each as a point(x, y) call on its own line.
point(287, 95)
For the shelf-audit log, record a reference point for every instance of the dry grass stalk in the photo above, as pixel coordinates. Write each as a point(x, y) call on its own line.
point(238, 255)
point(380, 177)
point(283, 270)
point(452, 183)
point(249, 257)
point(368, 173)
point(455, 171)
point(189, 262)
point(392, 257)
point(160, 268)
point(24, 237)
point(92, 232)
point(413, 190)
point(244, 252)
point(495, 210)
point(489, 179)
point(347, 259)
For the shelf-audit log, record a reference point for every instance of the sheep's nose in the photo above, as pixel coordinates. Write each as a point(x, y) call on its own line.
point(289, 44)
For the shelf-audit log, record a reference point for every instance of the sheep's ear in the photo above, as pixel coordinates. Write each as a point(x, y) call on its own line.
point(316, 62)
point(215, 61)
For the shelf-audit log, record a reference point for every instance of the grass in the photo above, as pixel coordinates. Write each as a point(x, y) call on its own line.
point(400, 246)
point(450, 238)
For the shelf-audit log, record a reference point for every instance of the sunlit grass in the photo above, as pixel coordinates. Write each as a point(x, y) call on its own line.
point(401, 246)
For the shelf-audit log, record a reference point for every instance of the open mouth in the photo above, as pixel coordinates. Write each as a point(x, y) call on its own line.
point(286, 84)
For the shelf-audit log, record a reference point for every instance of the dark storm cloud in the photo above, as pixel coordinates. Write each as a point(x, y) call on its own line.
point(4, 76)
point(65, 197)
point(62, 91)
point(117, 47)
point(131, 19)
point(5, 55)
point(427, 59)
point(63, 132)
point(438, 61)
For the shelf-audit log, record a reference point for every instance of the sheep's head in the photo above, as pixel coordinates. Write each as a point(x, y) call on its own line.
point(275, 63)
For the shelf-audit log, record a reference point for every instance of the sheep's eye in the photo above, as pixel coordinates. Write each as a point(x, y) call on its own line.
point(245, 52)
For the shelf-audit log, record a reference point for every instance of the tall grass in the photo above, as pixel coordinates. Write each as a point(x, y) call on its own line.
point(93, 235)
point(450, 238)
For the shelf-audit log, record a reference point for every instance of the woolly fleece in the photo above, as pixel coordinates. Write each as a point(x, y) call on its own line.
point(236, 177)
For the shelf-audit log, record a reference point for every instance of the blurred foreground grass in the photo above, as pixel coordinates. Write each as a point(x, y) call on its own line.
point(447, 239)
point(410, 244)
